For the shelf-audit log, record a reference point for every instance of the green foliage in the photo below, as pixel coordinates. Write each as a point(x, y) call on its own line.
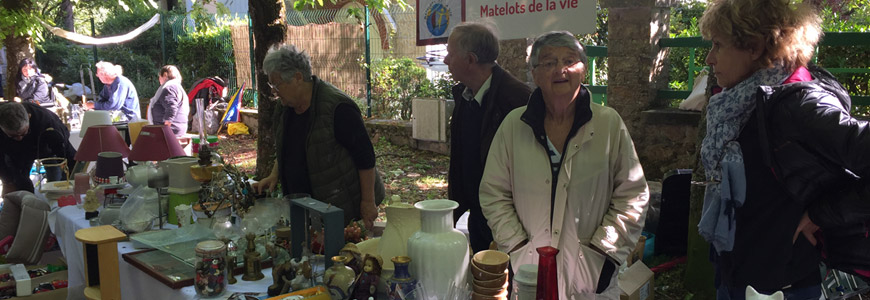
point(395, 81)
point(598, 38)
point(202, 18)
point(149, 43)
point(374, 5)
point(63, 60)
point(848, 16)
point(684, 23)
point(206, 53)
point(20, 23)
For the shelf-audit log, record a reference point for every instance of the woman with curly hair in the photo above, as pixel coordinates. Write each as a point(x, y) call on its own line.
point(782, 154)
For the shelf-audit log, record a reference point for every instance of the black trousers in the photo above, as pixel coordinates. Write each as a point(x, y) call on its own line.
point(479, 233)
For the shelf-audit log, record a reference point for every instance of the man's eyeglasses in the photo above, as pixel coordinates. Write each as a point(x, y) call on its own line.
point(549, 65)
point(273, 86)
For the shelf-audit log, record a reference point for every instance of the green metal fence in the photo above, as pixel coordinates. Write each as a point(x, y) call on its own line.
point(831, 39)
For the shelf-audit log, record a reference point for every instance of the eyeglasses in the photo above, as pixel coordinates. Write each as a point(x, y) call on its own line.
point(549, 65)
point(273, 86)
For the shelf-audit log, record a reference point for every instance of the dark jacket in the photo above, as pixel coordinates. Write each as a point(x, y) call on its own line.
point(822, 161)
point(806, 131)
point(171, 105)
point(333, 174)
point(34, 90)
point(47, 137)
point(505, 93)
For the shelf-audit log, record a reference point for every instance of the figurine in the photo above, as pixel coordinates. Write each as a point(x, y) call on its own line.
point(91, 204)
point(253, 271)
point(303, 275)
point(232, 258)
point(282, 266)
point(367, 282)
point(353, 255)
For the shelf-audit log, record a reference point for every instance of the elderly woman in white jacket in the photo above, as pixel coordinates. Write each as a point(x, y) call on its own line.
point(562, 172)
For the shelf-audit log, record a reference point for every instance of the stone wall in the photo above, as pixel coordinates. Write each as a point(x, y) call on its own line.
point(400, 133)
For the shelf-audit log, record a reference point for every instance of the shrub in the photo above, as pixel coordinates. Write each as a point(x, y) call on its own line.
point(395, 81)
point(206, 53)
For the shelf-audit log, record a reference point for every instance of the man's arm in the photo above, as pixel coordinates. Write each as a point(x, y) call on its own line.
point(110, 99)
point(350, 132)
point(268, 183)
point(368, 209)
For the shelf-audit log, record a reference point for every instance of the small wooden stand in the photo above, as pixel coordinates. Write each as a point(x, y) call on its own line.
point(102, 278)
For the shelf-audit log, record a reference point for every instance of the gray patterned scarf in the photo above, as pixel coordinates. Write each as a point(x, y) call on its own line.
point(727, 114)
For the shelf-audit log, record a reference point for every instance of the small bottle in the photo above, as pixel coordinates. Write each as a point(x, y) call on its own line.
point(210, 268)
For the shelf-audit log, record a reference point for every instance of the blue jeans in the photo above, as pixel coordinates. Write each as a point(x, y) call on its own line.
point(813, 292)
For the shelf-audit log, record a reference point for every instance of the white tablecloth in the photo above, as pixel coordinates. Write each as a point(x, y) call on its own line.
point(135, 284)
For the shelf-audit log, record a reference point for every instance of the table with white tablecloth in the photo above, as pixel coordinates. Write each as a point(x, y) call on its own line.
point(135, 284)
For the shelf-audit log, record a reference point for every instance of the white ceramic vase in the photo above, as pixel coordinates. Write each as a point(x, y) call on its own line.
point(403, 220)
point(439, 253)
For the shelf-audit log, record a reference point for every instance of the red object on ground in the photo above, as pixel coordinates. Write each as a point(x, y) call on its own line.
point(548, 284)
point(668, 265)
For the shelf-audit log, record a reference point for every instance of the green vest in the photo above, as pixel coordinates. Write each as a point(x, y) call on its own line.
point(333, 174)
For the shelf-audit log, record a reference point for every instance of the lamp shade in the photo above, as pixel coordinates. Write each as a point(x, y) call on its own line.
point(109, 164)
point(101, 138)
point(95, 117)
point(156, 143)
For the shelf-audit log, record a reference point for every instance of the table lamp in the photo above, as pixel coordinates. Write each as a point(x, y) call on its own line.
point(156, 143)
point(95, 117)
point(101, 138)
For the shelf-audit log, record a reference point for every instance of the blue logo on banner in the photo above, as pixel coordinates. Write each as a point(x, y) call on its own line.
point(437, 18)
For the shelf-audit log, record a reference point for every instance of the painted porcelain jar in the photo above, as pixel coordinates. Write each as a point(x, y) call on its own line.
point(339, 279)
point(402, 285)
point(440, 252)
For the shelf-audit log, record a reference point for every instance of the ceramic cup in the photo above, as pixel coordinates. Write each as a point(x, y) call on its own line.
point(184, 213)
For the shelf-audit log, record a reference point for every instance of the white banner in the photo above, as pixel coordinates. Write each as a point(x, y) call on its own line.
point(436, 19)
point(529, 18)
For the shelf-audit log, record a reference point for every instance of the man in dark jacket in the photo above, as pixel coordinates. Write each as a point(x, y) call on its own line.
point(28, 132)
point(485, 95)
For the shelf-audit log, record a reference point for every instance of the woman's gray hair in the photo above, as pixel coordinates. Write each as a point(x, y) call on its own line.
point(477, 38)
point(287, 60)
point(13, 116)
point(110, 69)
point(556, 39)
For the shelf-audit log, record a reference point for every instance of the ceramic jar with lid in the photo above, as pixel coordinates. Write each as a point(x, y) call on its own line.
point(210, 268)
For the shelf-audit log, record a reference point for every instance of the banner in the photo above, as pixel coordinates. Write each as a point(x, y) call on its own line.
point(87, 40)
point(529, 18)
point(436, 19)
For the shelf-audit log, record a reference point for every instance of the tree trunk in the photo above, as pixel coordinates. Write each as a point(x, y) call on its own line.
point(66, 14)
point(269, 26)
point(17, 48)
